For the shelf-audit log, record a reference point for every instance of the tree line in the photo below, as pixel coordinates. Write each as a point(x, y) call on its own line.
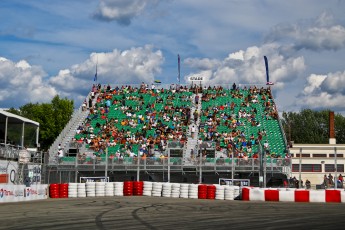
point(312, 127)
point(52, 117)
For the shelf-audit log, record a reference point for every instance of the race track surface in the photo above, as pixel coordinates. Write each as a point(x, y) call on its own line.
point(168, 213)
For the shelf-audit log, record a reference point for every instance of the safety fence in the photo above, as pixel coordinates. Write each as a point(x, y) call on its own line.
point(17, 193)
point(144, 188)
point(293, 195)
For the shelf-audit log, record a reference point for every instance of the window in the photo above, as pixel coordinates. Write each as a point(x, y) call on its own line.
point(330, 168)
point(307, 168)
point(338, 155)
point(319, 155)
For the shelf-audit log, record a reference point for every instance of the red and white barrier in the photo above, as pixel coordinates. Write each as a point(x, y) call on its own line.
point(293, 195)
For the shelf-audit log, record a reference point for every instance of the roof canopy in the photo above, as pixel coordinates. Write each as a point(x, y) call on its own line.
point(15, 119)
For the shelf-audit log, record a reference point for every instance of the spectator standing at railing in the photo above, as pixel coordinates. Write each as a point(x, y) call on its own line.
point(340, 181)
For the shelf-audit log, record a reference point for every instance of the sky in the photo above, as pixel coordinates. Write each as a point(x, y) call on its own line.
point(50, 48)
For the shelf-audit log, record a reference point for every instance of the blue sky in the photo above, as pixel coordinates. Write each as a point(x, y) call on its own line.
point(51, 47)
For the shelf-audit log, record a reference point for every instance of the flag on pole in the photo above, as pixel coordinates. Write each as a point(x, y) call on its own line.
point(267, 73)
point(95, 78)
point(179, 68)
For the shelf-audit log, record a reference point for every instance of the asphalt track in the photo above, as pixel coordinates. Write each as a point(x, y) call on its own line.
point(168, 213)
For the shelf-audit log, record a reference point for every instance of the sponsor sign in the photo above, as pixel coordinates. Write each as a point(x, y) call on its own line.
point(196, 78)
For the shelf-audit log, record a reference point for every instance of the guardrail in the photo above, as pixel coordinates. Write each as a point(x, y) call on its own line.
point(175, 164)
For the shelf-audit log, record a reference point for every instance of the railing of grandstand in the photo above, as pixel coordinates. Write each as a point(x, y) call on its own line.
point(176, 164)
point(280, 125)
point(9, 152)
point(68, 128)
point(173, 86)
point(282, 130)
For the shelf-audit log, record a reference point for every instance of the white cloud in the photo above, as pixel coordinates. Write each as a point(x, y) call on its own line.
point(313, 83)
point(334, 83)
point(324, 92)
point(24, 83)
point(122, 11)
point(135, 65)
point(248, 66)
point(320, 34)
point(202, 64)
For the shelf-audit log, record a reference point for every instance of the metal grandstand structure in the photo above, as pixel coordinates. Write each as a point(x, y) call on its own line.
point(174, 160)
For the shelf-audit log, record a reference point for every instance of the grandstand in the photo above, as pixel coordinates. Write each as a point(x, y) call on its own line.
point(184, 131)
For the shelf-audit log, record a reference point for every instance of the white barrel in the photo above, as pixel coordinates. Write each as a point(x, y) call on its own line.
point(81, 190)
point(118, 188)
point(72, 190)
point(220, 192)
point(175, 190)
point(157, 189)
point(166, 191)
point(193, 191)
point(147, 188)
point(237, 191)
point(109, 189)
point(100, 189)
point(229, 193)
point(90, 189)
point(184, 190)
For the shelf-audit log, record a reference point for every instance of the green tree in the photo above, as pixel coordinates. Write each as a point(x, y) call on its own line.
point(312, 127)
point(52, 117)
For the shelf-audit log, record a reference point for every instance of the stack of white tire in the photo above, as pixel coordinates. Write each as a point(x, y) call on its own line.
point(147, 189)
point(81, 190)
point(220, 192)
point(109, 189)
point(91, 189)
point(175, 190)
point(157, 189)
point(166, 192)
point(100, 189)
point(229, 193)
point(193, 191)
point(184, 190)
point(73, 190)
point(237, 191)
point(118, 188)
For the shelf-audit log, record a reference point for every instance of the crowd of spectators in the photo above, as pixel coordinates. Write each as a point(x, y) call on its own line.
point(141, 120)
point(227, 121)
point(146, 119)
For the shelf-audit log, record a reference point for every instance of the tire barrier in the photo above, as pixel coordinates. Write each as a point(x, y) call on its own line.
point(81, 190)
point(118, 188)
point(157, 188)
point(109, 189)
point(175, 190)
point(100, 189)
point(90, 189)
point(202, 191)
point(54, 190)
point(293, 195)
point(220, 192)
point(63, 190)
point(193, 191)
point(72, 190)
point(128, 188)
point(138, 188)
point(184, 188)
point(166, 191)
point(211, 192)
point(147, 188)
